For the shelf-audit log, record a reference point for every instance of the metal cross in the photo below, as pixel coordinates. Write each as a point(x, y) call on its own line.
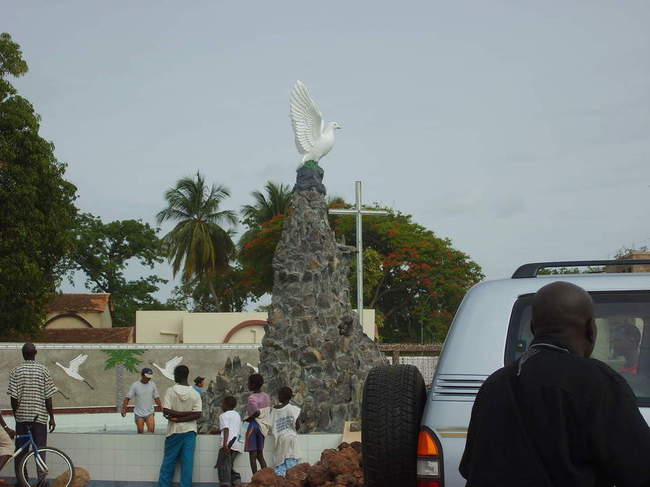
point(359, 212)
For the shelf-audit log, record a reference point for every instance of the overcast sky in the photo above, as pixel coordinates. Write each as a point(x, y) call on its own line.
point(519, 130)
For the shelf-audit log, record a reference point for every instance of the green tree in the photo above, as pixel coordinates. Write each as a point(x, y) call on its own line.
point(195, 295)
point(198, 244)
point(103, 252)
point(122, 360)
point(276, 200)
point(414, 279)
point(420, 282)
point(256, 255)
point(37, 208)
point(259, 218)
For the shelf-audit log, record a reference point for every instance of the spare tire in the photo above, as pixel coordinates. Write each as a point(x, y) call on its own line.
point(393, 401)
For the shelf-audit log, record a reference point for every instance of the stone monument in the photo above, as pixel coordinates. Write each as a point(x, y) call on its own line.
point(314, 342)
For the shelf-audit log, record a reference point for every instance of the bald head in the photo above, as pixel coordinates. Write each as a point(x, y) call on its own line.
point(29, 351)
point(565, 311)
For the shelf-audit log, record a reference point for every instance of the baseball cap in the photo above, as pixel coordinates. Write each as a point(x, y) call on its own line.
point(198, 379)
point(147, 372)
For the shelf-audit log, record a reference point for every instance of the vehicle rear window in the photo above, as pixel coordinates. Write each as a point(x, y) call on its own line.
point(623, 342)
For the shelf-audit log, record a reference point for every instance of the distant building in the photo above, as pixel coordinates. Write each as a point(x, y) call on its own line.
point(88, 335)
point(186, 327)
point(67, 311)
point(632, 255)
point(86, 318)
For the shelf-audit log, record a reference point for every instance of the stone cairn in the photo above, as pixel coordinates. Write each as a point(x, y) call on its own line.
point(313, 342)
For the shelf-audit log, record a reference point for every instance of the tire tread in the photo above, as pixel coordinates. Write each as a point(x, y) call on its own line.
point(393, 401)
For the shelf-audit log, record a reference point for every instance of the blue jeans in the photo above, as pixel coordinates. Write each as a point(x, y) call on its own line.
point(39, 431)
point(178, 447)
point(288, 463)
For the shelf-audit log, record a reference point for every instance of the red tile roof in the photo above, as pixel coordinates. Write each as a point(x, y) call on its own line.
point(79, 303)
point(88, 335)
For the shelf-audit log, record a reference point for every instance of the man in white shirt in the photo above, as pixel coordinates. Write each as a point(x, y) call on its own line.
point(229, 426)
point(182, 407)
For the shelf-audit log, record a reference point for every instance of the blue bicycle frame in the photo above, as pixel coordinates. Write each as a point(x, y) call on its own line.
point(30, 443)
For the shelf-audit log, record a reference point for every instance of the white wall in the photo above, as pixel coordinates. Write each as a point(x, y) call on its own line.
point(369, 327)
point(137, 458)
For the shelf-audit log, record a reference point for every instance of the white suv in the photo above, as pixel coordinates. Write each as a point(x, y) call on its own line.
point(411, 440)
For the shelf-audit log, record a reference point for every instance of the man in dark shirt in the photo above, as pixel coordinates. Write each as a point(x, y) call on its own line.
point(556, 417)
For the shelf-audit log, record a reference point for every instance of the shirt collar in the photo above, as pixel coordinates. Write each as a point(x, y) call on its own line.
point(554, 341)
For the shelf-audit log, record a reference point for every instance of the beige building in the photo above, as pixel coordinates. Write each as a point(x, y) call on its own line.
point(79, 311)
point(186, 327)
point(632, 255)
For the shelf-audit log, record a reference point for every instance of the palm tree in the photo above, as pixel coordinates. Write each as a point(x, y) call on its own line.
point(122, 360)
point(276, 201)
point(198, 244)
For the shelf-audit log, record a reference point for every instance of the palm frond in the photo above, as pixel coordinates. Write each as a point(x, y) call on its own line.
point(197, 243)
point(275, 200)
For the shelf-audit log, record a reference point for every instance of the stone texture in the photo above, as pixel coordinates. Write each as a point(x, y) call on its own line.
point(297, 476)
point(231, 381)
point(309, 177)
point(267, 477)
point(314, 342)
point(336, 468)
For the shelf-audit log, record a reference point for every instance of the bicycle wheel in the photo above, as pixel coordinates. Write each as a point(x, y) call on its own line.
point(51, 465)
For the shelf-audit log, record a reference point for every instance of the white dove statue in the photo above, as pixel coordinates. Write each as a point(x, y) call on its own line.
point(314, 138)
point(73, 368)
point(170, 365)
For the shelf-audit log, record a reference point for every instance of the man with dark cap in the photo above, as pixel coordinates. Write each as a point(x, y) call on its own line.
point(31, 389)
point(145, 397)
point(556, 417)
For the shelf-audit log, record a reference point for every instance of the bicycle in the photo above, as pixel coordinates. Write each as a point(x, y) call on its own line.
point(33, 465)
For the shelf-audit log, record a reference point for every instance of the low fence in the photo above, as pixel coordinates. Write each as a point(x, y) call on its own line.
point(423, 356)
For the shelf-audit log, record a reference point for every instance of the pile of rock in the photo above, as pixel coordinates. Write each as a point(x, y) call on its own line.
point(336, 468)
point(81, 478)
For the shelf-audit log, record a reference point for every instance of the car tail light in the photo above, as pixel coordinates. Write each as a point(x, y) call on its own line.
point(428, 483)
point(429, 460)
